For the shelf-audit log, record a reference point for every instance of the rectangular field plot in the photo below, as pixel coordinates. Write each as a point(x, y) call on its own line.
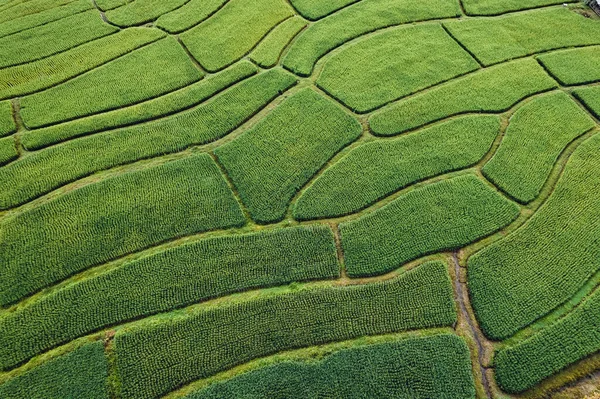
point(105, 220)
point(496, 7)
point(189, 15)
point(239, 332)
point(272, 161)
point(267, 53)
point(393, 64)
point(8, 150)
point(141, 11)
point(498, 39)
point(523, 277)
point(7, 123)
point(436, 217)
point(574, 66)
point(590, 97)
point(416, 368)
point(166, 280)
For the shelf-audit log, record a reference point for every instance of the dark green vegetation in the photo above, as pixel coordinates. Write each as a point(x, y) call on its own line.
point(101, 221)
point(80, 374)
point(295, 141)
point(575, 66)
point(521, 278)
point(238, 332)
point(437, 217)
point(413, 368)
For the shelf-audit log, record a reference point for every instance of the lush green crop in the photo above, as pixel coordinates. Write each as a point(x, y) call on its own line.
point(570, 339)
point(439, 216)
point(110, 4)
point(494, 89)
point(145, 73)
point(315, 9)
point(519, 279)
point(295, 141)
point(233, 31)
point(30, 7)
point(19, 24)
point(102, 221)
point(7, 123)
point(52, 38)
point(78, 374)
point(376, 170)
point(498, 39)
point(8, 151)
point(43, 171)
point(538, 133)
point(574, 66)
point(170, 103)
point(141, 11)
point(191, 14)
point(495, 7)
point(267, 53)
point(590, 96)
point(168, 279)
point(413, 368)
point(30, 77)
point(356, 20)
point(199, 344)
point(393, 64)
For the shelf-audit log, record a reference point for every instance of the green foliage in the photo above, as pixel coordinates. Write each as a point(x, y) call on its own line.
point(30, 7)
point(574, 66)
point(165, 280)
point(411, 368)
point(590, 97)
point(43, 17)
point(141, 11)
point(191, 14)
point(376, 170)
point(218, 338)
point(498, 39)
point(7, 123)
point(267, 53)
point(34, 76)
point(8, 151)
point(101, 221)
point(110, 4)
point(392, 65)
point(145, 73)
point(538, 133)
point(43, 171)
point(52, 38)
point(523, 277)
point(78, 374)
point(294, 142)
point(494, 89)
point(495, 7)
point(567, 341)
point(315, 9)
point(439, 216)
point(233, 31)
point(170, 103)
point(356, 20)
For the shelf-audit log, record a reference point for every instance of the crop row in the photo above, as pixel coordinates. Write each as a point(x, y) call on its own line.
point(37, 75)
point(81, 373)
point(292, 142)
point(7, 123)
point(524, 276)
point(574, 66)
point(494, 7)
point(412, 368)
point(101, 221)
point(145, 73)
point(26, 8)
point(267, 53)
point(356, 20)
point(393, 64)
point(8, 150)
point(202, 343)
point(375, 170)
point(439, 216)
point(233, 31)
point(141, 11)
point(538, 133)
point(191, 14)
point(493, 89)
point(43, 171)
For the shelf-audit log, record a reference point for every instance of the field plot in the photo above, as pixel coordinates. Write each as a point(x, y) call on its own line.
point(246, 199)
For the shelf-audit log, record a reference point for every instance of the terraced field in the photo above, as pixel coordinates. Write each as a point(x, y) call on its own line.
point(299, 199)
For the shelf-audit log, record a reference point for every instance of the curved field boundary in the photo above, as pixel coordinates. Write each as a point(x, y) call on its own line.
point(267, 53)
point(30, 8)
point(316, 9)
point(139, 12)
point(191, 14)
point(493, 7)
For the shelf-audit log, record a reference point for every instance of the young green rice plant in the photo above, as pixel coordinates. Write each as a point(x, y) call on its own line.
point(573, 66)
point(189, 15)
point(120, 215)
point(294, 142)
point(316, 9)
point(43, 171)
point(590, 97)
point(239, 332)
point(494, 89)
point(440, 216)
point(375, 170)
point(491, 7)
point(526, 275)
point(30, 7)
point(81, 373)
point(267, 53)
point(141, 11)
point(538, 133)
point(8, 150)
point(411, 368)
point(7, 122)
point(105, 5)
point(356, 20)
point(498, 39)
point(234, 31)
